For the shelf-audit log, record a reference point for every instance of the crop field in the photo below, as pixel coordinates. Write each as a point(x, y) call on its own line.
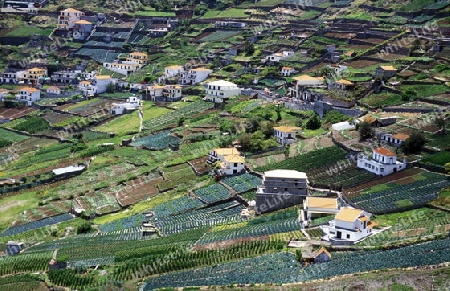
point(219, 35)
point(10, 136)
point(137, 190)
point(243, 183)
point(308, 161)
point(406, 227)
point(22, 282)
point(30, 124)
point(334, 175)
point(273, 268)
point(395, 196)
point(170, 118)
point(98, 202)
point(31, 262)
point(212, 193)
point(54, 117)
point(157, 141)
point(176, 176)
point(36, 224)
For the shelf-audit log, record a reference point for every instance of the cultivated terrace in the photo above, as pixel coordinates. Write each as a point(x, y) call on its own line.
point(224, 144)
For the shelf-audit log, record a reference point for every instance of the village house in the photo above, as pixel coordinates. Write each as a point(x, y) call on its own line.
point(131, 104)
point(220, 91)
point(54, 90)
point(287, 71)
point(394, 139)
point(286, 134)
point(68, 17)
point(314, 207)
point(383, 162)
point(137, 57)
point(343, 84)
point(123, 67)
point(33, 75)
point(29, 95)
point(172, 71)
point(82, 29)
point(194, 76)
point(349, 226)
point(316, 257)
point(281, 189)
point(166, 93)
point(277, 57)
point(229, 24)
point(65, 77)
point(231, 165)
point(10, 76)
point(218, 154)
point(385, 72)
point(303, 85)
point(97, 85)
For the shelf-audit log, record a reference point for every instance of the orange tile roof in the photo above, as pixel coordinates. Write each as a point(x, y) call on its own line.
point(364, 218)
point(345, 82)
point(174, 67)
point(85, 82)
point(370, 119)
point(388, 68)
point(348, 214)
point(401, 136)
point(29, 89)
point(82, 22)
point(323, 250)
point(321, 202)
point(287, 128)
point(234, 159)
point(138, 54)
point(102, 77)
point(200, 69)
point(70, 10)
point(53, 88)
point(286, 68)
point(371, 224)
point(226, 151)
point(385, 152)
point(307, 77)
point(155, 87)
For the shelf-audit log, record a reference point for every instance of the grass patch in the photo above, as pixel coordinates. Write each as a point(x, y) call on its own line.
point(308, 133)
point(27, 30)
point(403, 203)
point(439, 159)
point(231, 12)
point(11, 207)
point(154, 13)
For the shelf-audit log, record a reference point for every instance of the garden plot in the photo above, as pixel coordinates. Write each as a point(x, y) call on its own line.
point(55, 117)
point(157, 141)
point(137, 190)
point(219, 35)
point(14, 113)
point(212, 193)
point(99, 202)
point(176, 176)
point(36, 224)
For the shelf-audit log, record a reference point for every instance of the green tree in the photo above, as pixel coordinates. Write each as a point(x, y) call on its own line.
point(249, 48)
point(440, 122)
point(85, 227)
point(334, 116)
point(414, 143)
point(111, 88)
point(365, 131)
point(313, 123)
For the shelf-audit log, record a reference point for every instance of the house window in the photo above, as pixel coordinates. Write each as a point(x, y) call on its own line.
point(348, 236)
point(381, 170)
point(235, 165)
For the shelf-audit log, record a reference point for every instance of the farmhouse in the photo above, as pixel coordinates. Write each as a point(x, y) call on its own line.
point(287, 71)
point(132, 103)
point(277, 57)
point(172, 71)
point(232, 164)
point(302, 86)
point(29, 95)
point(281, 189)
point(385, 71)
point(343, 84)
point(350, 225)
point(82, 29)
point(286, 134)
point(218, 154)
point(194, 76)
point(65, 77)
point(383, 162)
point(123, 67)
point(54, 90)
point(320, 256)
point(220, 91)
point(167, 93)
point(316, 207)
point(394, 139)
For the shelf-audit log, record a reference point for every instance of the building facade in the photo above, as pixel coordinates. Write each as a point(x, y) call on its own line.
point(383, 162)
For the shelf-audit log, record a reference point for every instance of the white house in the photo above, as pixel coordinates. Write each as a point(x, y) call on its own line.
point(194, 76)
point(87, 88)
point(385, 71)
point(29, 95)
point(350, 225)
point(123, 67)
point(218, 154)
point(286, 134)
point(68, 17)
point(101, 83)
point(277, 57)
point(132, 103)
point(383, 162)
point(172, 71)
point(232, 164)
point(54, 90)
point(33, 75)
point(317, 207)
point(220, 91)
point(287, 71)
point(394, 139)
